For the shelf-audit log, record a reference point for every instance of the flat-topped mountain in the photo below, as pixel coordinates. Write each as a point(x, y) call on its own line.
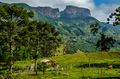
point(75, 12)
point(74, 25)
point(69, 12)
point(48, 11)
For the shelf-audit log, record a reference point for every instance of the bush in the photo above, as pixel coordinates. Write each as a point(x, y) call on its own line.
point(43, 67)
point(18, 68)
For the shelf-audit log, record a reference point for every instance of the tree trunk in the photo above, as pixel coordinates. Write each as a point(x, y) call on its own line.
point(35, 69)
point(36, 66)
point(11, 55)
point(37, 51)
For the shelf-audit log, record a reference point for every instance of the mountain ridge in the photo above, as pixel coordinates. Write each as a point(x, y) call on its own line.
point(70, 11)
point(75, 12)
point(77, 29)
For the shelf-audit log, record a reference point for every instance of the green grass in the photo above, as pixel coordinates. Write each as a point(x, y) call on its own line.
point(79, 65)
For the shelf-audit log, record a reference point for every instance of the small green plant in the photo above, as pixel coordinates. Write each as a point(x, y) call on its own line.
point(43, 67)
point(6, 74)
point(86, 77)
point(59, 73)
point(54, 73)
point(18, 68)
point(1, 77)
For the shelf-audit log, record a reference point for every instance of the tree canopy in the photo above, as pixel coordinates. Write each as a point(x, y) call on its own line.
point(18, 31)
point(115, 17)
point(105, 42)
point(12, 20)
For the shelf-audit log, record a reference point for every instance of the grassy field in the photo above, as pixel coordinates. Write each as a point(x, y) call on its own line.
point(77, 66)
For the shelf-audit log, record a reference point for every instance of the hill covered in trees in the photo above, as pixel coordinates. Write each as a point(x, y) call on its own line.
point(28, 44)
point(74, 26)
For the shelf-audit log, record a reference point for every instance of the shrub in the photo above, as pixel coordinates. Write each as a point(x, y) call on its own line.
point(43, 67)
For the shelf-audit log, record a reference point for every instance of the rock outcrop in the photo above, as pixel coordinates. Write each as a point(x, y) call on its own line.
point(49, 12)
point(69, 12)
point(75, 12)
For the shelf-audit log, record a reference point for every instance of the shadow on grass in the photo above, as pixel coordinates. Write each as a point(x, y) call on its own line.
point(33, 74)
point(99, 65)
point(109, 78)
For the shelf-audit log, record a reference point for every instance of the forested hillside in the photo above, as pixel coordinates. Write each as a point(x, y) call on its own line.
point(74, 27)
point(40, 42)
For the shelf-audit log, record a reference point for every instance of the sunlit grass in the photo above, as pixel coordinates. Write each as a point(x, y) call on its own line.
point(79, 65)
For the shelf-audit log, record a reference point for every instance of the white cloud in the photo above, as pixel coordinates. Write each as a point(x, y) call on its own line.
point(103, 11)
point(55, 3)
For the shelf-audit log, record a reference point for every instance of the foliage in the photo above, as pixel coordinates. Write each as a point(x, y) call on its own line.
point(105, 42)
point(77, 66)
point(43, 67)
point(43, 39)
point(94, 28)
point(52, 40)
point(12, 20)
point(79, 28)
point(4, 72)
point(22, 38)
point(115, 17)
point(70, 48)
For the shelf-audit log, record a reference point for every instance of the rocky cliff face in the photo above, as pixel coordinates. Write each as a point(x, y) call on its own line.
point(69, 12)
point(75, 12)
point(48, 11)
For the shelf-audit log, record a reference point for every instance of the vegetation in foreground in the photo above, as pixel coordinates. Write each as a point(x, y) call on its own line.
point(15, 29)
point(18, 30)
point(78, 66)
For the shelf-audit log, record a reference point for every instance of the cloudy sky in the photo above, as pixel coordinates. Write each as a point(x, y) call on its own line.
point(100, 9)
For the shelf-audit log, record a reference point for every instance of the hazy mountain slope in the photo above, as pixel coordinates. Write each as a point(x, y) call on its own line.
point(73, 24)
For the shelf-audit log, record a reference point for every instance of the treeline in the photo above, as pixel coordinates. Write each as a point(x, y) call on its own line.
point(22, 38)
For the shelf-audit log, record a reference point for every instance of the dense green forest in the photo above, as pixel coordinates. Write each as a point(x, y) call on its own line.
point(27, 37)
point(19, 34)
point(77, 30)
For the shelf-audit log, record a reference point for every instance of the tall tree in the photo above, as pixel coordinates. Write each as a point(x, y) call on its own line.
point(70, 47)
point(52, 41)
point(115, 17)
point(43, 39)
point(3, 63)
point(12, 20)
point(105, 42)
point(35, 40)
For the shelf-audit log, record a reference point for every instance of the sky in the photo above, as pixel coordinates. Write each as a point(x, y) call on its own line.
point(100, 9)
